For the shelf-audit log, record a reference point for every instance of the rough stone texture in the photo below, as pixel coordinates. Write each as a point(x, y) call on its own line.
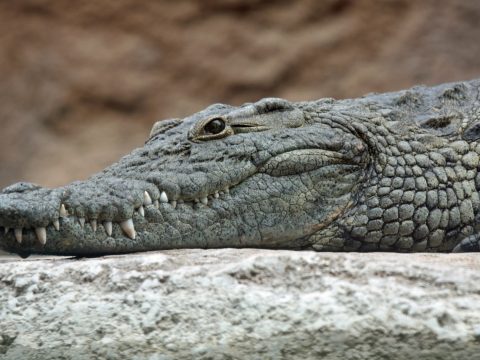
point(82, 85)
point(241, 304)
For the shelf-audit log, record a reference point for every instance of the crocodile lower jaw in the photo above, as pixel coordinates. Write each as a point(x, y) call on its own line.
point(127, 225)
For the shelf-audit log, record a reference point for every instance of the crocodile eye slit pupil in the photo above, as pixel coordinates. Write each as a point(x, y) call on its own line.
point(214, 126)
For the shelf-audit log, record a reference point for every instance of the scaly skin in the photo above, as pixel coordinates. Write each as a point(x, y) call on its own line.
point(388, 172)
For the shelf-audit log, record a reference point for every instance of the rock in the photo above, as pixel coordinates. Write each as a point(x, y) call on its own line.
point(241, 304)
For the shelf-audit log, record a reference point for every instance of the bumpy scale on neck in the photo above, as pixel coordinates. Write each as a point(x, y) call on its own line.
point(421, 192)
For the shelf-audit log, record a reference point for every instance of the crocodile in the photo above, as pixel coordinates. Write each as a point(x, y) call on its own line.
point(384, 172)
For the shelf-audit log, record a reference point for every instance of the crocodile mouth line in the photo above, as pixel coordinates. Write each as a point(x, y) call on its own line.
point(127, 225)
point(155, 198)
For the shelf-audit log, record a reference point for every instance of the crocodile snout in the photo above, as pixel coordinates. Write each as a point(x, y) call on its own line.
point(26, 207)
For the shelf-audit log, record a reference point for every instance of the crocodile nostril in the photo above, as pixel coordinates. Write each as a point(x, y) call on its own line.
point(20, 187)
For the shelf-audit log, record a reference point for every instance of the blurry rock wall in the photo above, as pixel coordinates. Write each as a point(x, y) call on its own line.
point(81, 82)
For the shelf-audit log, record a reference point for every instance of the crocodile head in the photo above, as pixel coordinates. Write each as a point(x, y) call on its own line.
point(267, 174)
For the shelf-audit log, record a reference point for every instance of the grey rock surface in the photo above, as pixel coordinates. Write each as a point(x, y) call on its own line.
point(241, 304)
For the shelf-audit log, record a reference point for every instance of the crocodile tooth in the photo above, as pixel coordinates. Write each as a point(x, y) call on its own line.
point(18, 235)
point(141, 210)
point(174, 203)
point(93, 223)
point(196, 200)
point(56, 224)
point(147, 200)
point(41, 235)
point(157, 204)
point(227, 190)
point(216, 195)
point(108, 227)
point(204, 200)
point(163, 197)
point(127, 227)
point(81, 221)
point(63, 211)
point(6, 230)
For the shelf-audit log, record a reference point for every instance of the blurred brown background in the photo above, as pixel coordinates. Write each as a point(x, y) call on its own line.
point(82, 81)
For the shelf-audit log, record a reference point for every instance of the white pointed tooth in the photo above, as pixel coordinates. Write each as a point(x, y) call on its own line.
point(157, 204)
point(41, 235)
point(63, 211)
point(147, 200)
point(56, 224)
point(216, 195)
point(163, 197)
point(18, 235)
point(81, 221)
point(227, 190)
point(196, 200)
point(204, 200)
point(7, 230)
point(127, 227)
point(141, 211)
point(93, 223)
point(174, 203)
point(108, 227)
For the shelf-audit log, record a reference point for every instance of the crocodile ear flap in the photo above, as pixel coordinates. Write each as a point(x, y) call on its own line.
point(472, 132)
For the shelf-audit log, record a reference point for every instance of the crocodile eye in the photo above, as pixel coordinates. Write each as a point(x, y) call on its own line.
point(214, 126)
